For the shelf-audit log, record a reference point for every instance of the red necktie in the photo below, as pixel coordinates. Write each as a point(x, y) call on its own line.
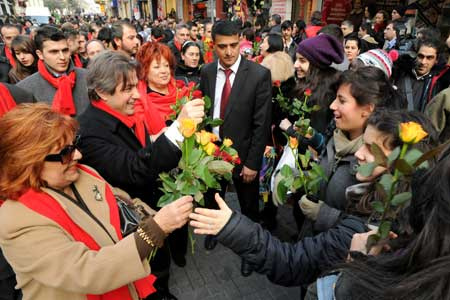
point(225, 93)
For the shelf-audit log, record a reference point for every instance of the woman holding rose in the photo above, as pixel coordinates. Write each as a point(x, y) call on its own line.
point(117, 144)
point(300, 263)
point(158, 88)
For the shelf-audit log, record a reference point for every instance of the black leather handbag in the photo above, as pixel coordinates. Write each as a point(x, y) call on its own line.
point(129, 217)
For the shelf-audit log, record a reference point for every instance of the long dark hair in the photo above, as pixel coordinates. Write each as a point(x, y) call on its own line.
point(421, 270)
point(321, 81)
point(370, 85)
point(387, 122)
point(23, 43)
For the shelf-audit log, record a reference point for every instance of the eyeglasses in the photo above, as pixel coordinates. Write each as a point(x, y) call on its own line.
point(66, 154)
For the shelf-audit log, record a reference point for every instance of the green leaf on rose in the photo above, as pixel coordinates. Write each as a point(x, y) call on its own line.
point(194, 156)
point(366, 169)
point(380, 157)
point(286, 171)
point(378, 206)
point(207, 101)
point(401, 198)
point(282, 190)
point(394, 155)
point(220, 167)
point(384, 229)
point(404, 167)
point(386, 182)
point(412, 156)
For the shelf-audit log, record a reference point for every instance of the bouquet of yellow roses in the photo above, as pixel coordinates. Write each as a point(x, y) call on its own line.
point(202, 165)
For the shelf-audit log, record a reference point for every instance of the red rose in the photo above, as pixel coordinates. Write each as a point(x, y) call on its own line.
point(237, 161)
point(197, 94)
point(226, 157)
point(308, 92)
point(258, 39)
point(217, 152)
point(277, 83)
point(180, 84)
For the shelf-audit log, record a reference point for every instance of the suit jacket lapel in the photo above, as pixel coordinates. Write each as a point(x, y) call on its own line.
point(238, 85)
point(212, 76)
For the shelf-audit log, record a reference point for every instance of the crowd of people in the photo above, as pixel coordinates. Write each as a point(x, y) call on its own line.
point(87, 117)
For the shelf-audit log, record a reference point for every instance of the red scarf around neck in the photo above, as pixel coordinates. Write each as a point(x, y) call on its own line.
point(77, 61)
point(44, 204)
point(63, 99)
point(10, 57)
point(154, 108)
point(6, 100)
point(129, 121)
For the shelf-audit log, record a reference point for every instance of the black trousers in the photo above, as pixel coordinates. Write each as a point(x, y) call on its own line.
point(247, 193)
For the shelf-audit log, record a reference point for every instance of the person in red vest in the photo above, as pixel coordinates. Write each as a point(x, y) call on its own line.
point(67, 242)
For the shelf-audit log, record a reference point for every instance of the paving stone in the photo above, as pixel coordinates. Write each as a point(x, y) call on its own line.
point(215, 275)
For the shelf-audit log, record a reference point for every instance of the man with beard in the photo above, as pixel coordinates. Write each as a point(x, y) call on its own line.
point(125, 38)
point(427, 78)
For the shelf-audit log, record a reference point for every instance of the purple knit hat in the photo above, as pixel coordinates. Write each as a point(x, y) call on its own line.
point(322, 50)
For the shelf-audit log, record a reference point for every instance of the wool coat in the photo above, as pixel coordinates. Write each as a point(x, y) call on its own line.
point(51, 265)
point(43, 91)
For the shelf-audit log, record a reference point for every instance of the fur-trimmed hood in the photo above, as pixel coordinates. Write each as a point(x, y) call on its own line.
point(280, 65)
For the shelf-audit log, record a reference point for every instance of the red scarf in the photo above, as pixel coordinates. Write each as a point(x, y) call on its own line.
point(77, 61)
point(6, 100)
point(63, 99)
point(10, 57)
point(155, 108)
point(177, 44)
point(44, 204)
point(128, 121)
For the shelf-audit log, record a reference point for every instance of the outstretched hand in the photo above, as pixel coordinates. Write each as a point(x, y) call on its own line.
point(211, 221)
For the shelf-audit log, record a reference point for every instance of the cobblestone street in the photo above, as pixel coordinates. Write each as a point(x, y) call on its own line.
point(216, 274)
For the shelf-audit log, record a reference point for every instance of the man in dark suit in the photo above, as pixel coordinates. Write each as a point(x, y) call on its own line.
point(241, 92)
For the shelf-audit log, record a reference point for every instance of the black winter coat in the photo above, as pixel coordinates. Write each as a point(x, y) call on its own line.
point(114, 151)
point(285, 263)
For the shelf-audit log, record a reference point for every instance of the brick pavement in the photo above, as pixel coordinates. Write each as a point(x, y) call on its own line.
point(215, 275)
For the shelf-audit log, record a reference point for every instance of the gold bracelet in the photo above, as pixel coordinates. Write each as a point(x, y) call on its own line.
point(145, 237)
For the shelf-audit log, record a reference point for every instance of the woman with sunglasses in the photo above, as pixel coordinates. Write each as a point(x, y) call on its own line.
point(67, 242)
point(115, 140)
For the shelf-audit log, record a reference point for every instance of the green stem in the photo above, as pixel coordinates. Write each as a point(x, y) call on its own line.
point(394, 183)
point(302, 175)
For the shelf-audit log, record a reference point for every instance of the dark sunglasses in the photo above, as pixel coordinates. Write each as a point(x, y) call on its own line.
point(66, 154)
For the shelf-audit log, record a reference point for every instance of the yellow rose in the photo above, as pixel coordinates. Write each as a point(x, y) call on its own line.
point(411, 132)
point(213, 137)
point(210, 148)
point(187, 127)
point(293, 142)
point(203, 137)
point(227, 142)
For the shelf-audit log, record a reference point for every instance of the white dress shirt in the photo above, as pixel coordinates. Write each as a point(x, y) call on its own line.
point(220, 82)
